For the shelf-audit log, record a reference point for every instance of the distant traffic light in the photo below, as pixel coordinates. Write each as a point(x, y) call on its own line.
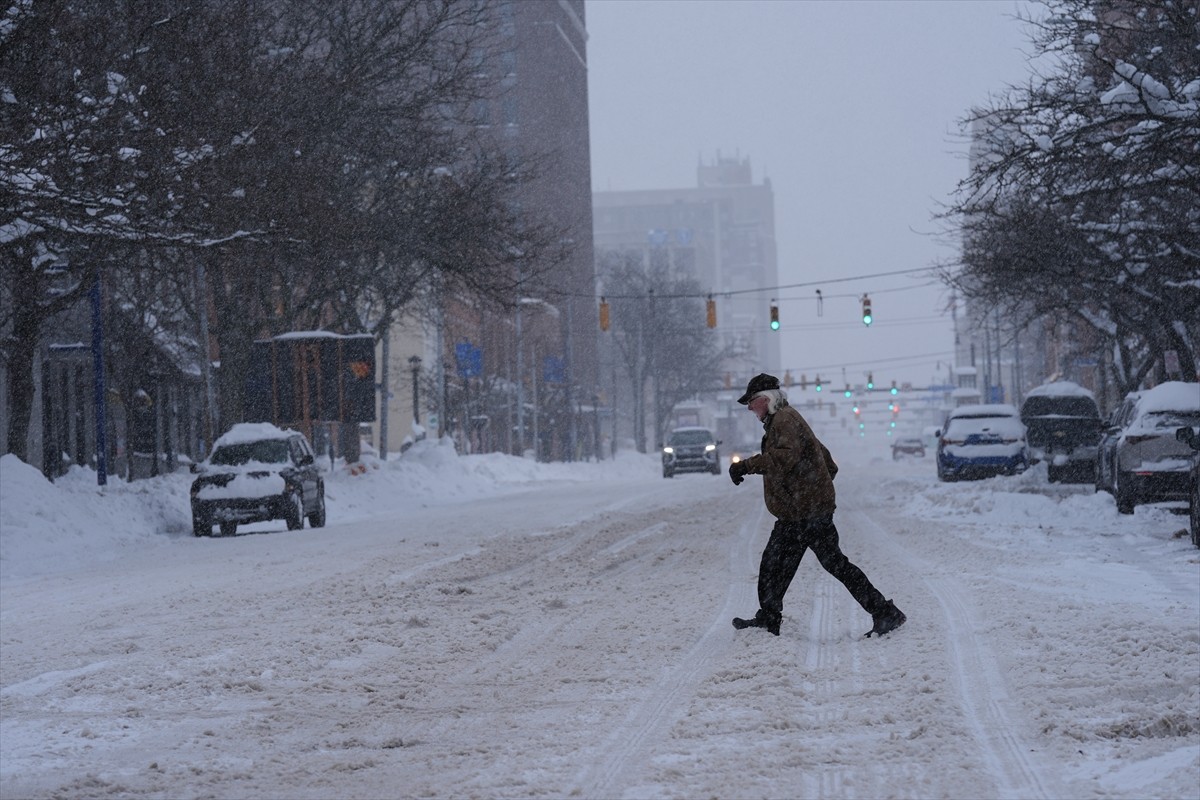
point(787, 379)
point(774, 316)
point(870, 381)
point(894, 390)
point(711, 312)
point(803, 382)
point(848, 392)
point(866, 310)
point(604, 315)
point(818, 382)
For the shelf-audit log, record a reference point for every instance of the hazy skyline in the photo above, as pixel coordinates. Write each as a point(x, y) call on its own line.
point(851, 110)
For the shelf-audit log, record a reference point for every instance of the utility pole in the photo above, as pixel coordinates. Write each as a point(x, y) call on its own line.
point(384, 393)
point(98, 382)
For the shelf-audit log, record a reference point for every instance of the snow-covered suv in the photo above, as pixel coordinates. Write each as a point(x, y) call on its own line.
point(691, 449)
point(257, 472)
point(1150, 464)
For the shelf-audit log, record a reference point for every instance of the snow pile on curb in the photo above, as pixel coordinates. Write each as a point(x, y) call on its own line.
point(47, 527)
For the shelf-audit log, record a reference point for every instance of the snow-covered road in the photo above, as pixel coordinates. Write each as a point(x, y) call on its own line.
point(571, 638)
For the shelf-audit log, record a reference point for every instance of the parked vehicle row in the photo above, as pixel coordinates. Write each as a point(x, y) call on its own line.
point(1148, 451)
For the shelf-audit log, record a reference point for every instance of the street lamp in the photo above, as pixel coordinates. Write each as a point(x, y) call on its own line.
point(414, 362)
point(540, 305)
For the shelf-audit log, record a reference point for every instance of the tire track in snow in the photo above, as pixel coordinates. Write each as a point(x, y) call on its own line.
point(984, 698)
point(982, 690)
point(626, 746)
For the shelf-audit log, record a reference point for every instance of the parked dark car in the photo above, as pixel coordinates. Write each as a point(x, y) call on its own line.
point(1191, 437)
point(1062, 423)
point(1151, 465)
point(981, 441)
point(691, 449)
point(1106, 474)
point(255, 473)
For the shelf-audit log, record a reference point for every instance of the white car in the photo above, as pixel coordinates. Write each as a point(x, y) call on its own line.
point(1150, 465)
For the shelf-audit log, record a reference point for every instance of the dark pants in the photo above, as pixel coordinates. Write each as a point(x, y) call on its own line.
point(781, 559)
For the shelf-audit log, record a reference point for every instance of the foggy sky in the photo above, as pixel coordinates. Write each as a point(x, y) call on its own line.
point(850, 108)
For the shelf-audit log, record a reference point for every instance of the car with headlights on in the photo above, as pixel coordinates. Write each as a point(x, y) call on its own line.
point(1150, 465)
point(691, 449)
point(257, 473)
point(980, 441)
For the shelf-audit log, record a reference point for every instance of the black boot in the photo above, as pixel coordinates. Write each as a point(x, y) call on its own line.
point(887, 619)
point(759, 621)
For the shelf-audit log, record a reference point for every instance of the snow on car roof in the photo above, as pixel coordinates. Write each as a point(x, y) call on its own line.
point(251, 432)
point(985, 410)
point(1170, 396)
point(1061, 389)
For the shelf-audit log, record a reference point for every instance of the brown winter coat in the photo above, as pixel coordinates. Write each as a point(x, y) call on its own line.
point(797, 469)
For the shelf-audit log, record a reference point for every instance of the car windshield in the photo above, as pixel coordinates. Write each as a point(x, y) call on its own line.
point(691, 437)
point(268, 451)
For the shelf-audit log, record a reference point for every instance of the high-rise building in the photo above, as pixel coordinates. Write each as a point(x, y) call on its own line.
point(522, 380)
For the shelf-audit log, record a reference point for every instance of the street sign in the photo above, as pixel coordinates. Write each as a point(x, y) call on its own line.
point(468, 359)
point(554, 370)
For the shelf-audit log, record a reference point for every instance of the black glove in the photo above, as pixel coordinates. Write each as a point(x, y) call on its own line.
point(737, 472)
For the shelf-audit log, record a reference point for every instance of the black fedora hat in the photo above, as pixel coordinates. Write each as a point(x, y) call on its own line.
point(759, 383)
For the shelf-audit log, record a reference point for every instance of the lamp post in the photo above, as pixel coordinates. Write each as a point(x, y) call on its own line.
point(414, 362)
point(540, 305)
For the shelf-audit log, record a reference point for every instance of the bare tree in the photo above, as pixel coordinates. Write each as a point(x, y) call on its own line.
point(658, 325)
point(309, 154)
point(1085, 201)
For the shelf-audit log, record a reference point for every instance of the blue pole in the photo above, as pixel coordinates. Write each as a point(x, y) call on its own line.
point(98, 381)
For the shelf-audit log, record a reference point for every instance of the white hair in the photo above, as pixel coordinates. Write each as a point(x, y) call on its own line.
point(777, 398)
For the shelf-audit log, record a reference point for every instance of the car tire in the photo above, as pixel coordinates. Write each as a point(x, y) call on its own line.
point(1053, 473)
point(293, 512)
point(716, 469)
point(317, 518)
point(668, 474)
point(1126, 498)
point(201, 526)
point(228, 528)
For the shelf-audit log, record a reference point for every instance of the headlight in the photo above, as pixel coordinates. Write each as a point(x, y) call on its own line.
point(668, 450)
point(708, 448)
point(735, 459)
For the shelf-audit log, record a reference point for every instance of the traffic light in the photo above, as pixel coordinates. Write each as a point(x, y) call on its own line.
point(787, 379)
point(818, 382)
point(803, 382)
point(894, 390)
point(866, 310)
point(711, 312)
point(604, 316)
point(774, 316)
point(848, 392)
point(870, 381)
